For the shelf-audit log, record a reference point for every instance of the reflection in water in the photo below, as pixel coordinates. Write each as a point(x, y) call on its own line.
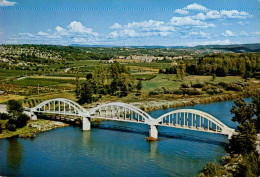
point(14, 154)
point(153, 149)
point(86, 137)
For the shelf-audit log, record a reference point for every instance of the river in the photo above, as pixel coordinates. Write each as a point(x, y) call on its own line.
point(117, 149)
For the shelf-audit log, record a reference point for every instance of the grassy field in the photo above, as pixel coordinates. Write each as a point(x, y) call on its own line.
point(41, 81)
point(170, 81)
point(5, 98)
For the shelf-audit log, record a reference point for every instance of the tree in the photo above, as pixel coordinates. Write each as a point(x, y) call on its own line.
point(256, 108)
point(14, 108)
point(139, 85)
point(245, 141)
point(78, 84)
point(86, 95)
point(221, 71)
point(242, 112)
point(22, 120)
point(17, 119)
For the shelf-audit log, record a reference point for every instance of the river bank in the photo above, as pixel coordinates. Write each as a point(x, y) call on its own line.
point(156, 103)
point(32, 128)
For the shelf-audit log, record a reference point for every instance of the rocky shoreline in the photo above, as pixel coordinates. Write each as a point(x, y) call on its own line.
point(32, 128)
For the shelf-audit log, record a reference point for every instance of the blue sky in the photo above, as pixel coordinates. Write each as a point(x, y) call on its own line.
point(130, 22)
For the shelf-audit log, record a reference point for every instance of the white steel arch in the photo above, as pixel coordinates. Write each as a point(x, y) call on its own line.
point(121, 112)
point(60, 106)
point(194, 120)
point(183, 118)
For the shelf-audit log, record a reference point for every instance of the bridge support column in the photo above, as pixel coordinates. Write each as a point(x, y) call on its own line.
point(153, 131)
point(86, 125)
point(33, 116)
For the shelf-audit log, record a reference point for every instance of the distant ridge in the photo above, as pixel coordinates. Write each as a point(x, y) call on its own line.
point(237, 48)
point(151, 47)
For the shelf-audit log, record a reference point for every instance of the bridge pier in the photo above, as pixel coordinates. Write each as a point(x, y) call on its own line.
point(153, 131)
point(31, 115)
point(86, 125)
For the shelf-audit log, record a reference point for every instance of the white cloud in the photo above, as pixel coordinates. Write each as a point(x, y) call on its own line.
point(228, 33)
point(40, 33)
point(4, 3)
point(26, 35)
point(75, 32)
point(213, 14)
point(235, 14)
point(77, 27)
point(181, 11)
point(243, 33)
point(188, 21)
point(11, 42)
point(195, 6)
point(199, 16)
point(116, 26)
point(144, 24)
point(243, 22)
point(79, 40)
point(61, 31)
point(141, 29)
point(199, 34)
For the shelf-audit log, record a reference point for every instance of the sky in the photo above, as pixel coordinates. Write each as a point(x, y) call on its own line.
point(130, 22)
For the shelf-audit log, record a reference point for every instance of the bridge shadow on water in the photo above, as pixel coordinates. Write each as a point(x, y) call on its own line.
point(163, 135)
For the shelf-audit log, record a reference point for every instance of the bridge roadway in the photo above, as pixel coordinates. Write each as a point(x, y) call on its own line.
point(190, 119)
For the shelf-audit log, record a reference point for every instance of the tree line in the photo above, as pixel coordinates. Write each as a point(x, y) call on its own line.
point(246, 65)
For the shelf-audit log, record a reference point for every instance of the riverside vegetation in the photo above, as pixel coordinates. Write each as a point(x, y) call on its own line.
point(243, 160)
point(16, 123)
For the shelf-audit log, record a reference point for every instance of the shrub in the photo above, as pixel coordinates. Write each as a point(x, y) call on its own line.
point(191, 91)
point(22, 120)
point(207, 87)
point(184, 85)
point(234, 87)
point(154, 93)
point(4, 116)
point(223, 84)
point(211, 170)
point(177, 92)
point(210, 91)
point(198, 85)
point(10, 126)
point(214, 91)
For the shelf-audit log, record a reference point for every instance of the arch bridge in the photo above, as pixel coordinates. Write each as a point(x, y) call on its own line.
point(190, 119)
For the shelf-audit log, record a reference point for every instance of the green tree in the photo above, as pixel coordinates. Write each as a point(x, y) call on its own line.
point(245, 141)
point(86, 95)
point(78, 84)
point(139, 85)
point(14, 108)
point(17, 119)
